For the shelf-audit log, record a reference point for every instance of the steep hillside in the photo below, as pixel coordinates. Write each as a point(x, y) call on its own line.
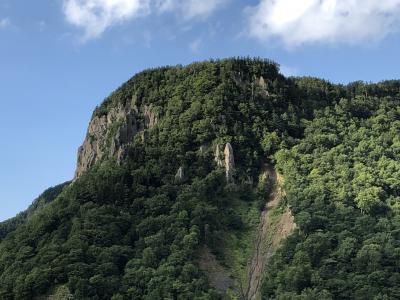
point(276, 224)
point(46, 197)
point(171, 200)
point(342, 183)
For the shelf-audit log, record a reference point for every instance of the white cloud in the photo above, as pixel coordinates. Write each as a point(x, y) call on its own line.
point(296, 22)
point(4, 23)
point(163, 6)
point(200, 8)
point(190, 9)
point(95, 16)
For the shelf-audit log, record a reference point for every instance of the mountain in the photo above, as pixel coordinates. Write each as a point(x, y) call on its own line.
point(221, 179)
point(47, 196)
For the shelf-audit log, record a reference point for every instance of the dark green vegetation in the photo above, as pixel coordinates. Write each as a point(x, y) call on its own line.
point(343, 185)
point(47, 196)
point(132, 231)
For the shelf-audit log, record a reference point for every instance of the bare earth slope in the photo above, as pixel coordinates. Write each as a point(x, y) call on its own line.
point(274, 226)
point(271, 231)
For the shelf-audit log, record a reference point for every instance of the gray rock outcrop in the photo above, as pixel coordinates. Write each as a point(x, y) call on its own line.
point(109, 135)
point(219, 157)
point(180, 174)
point(226, 160)
point(262, 83)
point(150, 118)
point(229, 163)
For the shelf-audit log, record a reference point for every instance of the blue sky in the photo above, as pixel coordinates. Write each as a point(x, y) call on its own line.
point(61, 58)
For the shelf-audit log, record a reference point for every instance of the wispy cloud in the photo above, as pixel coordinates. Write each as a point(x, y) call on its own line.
point(189, 9)
point(195, 8)
point(95, 16)
point(196, 45)
point(295, 22)
point(4, 23)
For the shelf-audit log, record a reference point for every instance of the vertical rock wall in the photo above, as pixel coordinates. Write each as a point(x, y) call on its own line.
point(229, 163)
point(226, 160)
point(109, 135)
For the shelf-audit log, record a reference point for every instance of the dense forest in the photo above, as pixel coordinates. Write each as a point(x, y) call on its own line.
point(135, 225)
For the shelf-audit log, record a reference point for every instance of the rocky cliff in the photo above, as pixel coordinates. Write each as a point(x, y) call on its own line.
point(109, 134)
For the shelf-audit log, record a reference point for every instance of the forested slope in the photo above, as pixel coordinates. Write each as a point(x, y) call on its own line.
point(343, 184)
point(173, 162)
point(47, 196)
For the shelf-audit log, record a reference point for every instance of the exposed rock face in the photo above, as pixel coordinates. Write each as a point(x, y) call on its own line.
point(109, 135)
point(90, 151)
point(219, 159)
point(180, 175)
point(124, 135)
point(226, 159)
point(229, 162)
point(150, 118)
point(264, 87)
point(262, 83)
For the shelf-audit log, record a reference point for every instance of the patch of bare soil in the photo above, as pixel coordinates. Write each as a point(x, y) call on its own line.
point(270, 233)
